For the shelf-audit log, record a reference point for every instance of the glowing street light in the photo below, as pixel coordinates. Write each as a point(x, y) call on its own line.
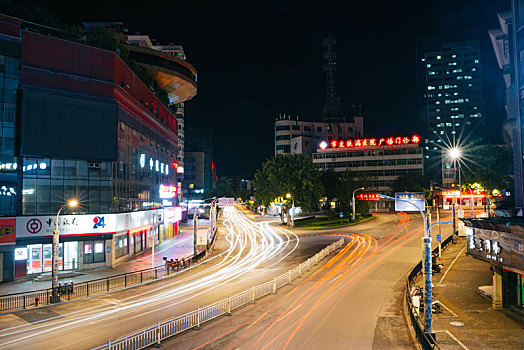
point(288, 195)
point(55, 297)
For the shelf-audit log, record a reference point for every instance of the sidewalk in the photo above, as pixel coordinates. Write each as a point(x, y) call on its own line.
point(177, 247)
point(468, 320)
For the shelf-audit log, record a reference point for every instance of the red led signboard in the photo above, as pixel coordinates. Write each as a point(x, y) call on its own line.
point(368, 196)
point(373, 142)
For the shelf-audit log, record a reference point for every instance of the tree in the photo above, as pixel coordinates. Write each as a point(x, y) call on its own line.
point(221, 189)
point(344, 192)
point(411, 183)
point(330, 181)
point(487, 165)
point(292, 174)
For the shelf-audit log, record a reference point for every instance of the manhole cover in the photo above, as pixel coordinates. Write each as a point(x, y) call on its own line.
point(456, 323)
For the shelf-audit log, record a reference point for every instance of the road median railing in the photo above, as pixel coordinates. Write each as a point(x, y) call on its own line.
point(154, 334)
point(70, 291)
point(426, 340)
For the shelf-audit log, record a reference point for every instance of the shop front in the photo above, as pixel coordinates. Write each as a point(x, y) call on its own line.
point(500, 242)
point(83, 240)
point(7, 246)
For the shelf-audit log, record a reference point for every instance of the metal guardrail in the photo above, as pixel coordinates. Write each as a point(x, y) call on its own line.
point(154, 334)
point(426, 340)
point(71, 291)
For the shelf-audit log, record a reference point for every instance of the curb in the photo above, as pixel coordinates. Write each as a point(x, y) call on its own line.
point(345, 225)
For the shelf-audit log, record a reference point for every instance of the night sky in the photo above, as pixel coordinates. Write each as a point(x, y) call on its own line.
point(257, 60)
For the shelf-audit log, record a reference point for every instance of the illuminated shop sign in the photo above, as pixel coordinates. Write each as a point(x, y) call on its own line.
point(154, 164)
point(21, 254)
point(29, 167)
point(7, 191)
point(368, 196)
point(465, 195)
point(168, 192)
point(488, 244)
point(172, 214)
point(38, 226)
point(373, 142)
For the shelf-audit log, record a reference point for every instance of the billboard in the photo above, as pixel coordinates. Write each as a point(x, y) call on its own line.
point(8, 230)
point(416, 199)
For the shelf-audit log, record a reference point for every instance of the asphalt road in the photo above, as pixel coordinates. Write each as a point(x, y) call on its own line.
point(246, 253)
point(352, 301)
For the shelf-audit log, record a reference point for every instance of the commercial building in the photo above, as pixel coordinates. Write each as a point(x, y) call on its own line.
point(508, 44)
point(82, 125)
point(378, 161)
point(452, 102)
point(302, 137)
point(500, 242)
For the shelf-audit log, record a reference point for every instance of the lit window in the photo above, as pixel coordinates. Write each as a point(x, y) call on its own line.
point(476, 61)
point(439, 57)
point(459, 78)
point(470, 85)
point(428, 65)
point(473, 69)
point(457, 124)
point(442, 132)
point(453, 132)
point(452, 63)
point(437, 103)
point(453, 56)
point(438, 118)
point(455, 93)
point(431, 87)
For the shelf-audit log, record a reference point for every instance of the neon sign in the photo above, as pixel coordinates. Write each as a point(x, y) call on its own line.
point(368, 196)
point(167, 192)
point(154, 164)
point(373, 142)
point(465, 195)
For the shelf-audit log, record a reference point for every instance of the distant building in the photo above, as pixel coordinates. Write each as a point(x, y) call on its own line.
point(199, 169)
point(452, 98)
point(380, 161)
point(508, 43)
point(301, 137)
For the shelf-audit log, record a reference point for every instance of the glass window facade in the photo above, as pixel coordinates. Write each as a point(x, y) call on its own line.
point(9, 68)
point(131, 183)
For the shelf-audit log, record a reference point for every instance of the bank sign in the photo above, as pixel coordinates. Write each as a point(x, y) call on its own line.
point(38, 226)
point(504, 248)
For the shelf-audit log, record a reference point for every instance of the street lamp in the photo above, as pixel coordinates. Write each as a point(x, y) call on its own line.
point(426, 259)
point(288, 195)
point(353, 203)
point(56, 242)
point(455, 154)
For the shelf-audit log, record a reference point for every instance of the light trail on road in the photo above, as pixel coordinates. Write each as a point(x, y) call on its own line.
point(251, 245)
point(298, 319)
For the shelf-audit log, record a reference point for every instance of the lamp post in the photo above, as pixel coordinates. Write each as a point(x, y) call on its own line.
point(426, 259)
point(211, 217)
point(471, 201)
point(455, 154)
point(55, 297)
point(353, 203)
point(288, 195)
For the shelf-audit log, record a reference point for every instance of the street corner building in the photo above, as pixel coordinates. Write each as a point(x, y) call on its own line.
point(78, 123)
point(500, 242)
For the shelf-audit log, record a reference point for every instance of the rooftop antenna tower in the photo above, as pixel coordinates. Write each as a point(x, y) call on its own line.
point(331, 111)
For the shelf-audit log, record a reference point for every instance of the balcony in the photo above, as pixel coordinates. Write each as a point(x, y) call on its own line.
point(177, 77)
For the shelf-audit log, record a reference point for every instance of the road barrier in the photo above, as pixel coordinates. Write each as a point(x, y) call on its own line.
point(426, 340)
point(70, 291)
point(154, 334)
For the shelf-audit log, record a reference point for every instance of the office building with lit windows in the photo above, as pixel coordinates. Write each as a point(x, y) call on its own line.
point(452, 100)
point(378, 161)
point(293, 136)
point(79, 123)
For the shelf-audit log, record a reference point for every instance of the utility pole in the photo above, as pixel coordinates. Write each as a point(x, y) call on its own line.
point(195, 231)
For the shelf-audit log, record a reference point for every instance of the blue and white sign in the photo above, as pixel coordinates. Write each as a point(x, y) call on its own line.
point(439, 238)
point(409, 201)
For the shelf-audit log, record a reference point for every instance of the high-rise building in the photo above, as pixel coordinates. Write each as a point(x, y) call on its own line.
point(452, 100)
point(508, 43)
point(79, 123)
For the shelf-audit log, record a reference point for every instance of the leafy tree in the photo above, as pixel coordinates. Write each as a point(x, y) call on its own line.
point(221, 189)
point(293, 174)
point(330, 181)
point(487, 165)
point(346, 184)
point(411, 183)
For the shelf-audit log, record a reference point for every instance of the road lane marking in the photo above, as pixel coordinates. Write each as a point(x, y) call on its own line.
point(449, 268)
point(454, 338)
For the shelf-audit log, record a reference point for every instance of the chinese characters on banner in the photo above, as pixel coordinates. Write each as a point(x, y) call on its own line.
point(373, 142)
point(368, 196)
point(8, 230)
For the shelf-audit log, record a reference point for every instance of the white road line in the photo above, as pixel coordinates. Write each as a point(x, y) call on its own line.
point(447, 308)
point(455, 339)
point(449, 268)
